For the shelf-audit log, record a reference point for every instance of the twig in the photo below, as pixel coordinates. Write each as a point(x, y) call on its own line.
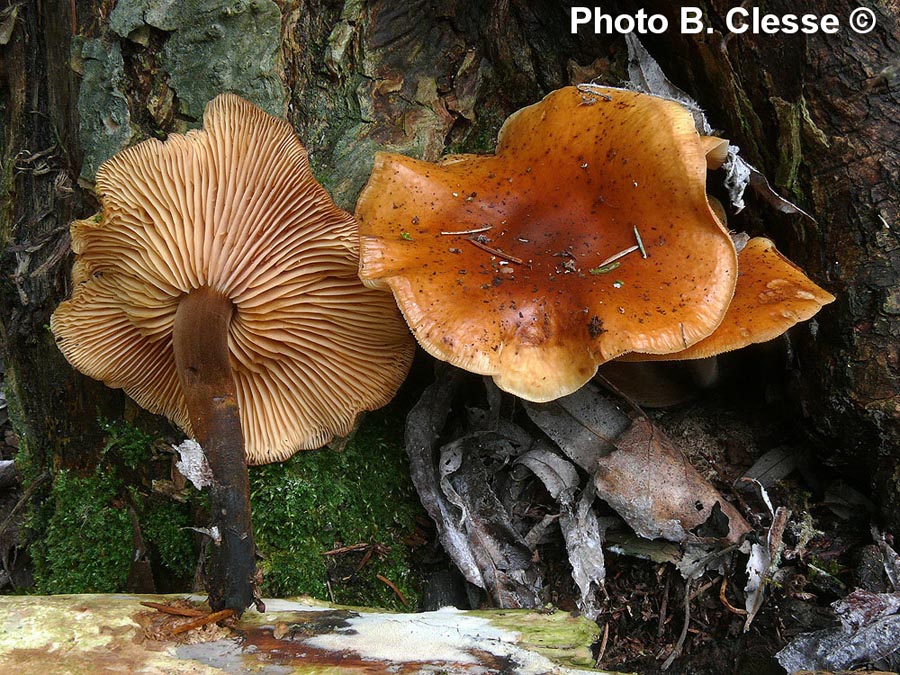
point(494, 251)
point(620, 254)
point(475, 231)
point(392, 586)
point(366, 558)
point(25, 497)
point(705, 587)
point(203, 621)
point(346, 549)
point(177, 611)
point(602, 649)
point(663, 607)
point(676, 650)
point(731, 608)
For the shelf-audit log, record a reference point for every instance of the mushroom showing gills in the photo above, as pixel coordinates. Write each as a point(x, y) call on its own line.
point(587, 235)
point(219, 287)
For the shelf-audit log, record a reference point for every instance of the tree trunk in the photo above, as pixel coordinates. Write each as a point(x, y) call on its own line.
point(53, 408)
point(814, 113)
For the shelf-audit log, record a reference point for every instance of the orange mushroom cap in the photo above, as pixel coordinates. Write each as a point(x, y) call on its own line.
point(497, 262)
point(771, 296)
point(233, 207)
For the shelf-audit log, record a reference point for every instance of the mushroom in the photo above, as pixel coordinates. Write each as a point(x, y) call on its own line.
point(772, 295)
point(219, 288)
point(587, 235)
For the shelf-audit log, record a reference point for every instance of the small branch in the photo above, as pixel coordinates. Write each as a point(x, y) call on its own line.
point(663, 607)
point(176, 611)
point(679, 645)
point(346, 549)
point(366, 558)
point(392, 586)
point(203, 621)
point(494, 251)
point(603, 642)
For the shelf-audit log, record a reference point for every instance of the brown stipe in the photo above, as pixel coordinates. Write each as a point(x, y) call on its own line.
point(202, 358)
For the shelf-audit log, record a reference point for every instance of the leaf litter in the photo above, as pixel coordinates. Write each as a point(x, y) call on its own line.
point(479, 466)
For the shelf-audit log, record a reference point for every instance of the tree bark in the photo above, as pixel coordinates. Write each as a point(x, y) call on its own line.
point(54, 408)
point(815, 113)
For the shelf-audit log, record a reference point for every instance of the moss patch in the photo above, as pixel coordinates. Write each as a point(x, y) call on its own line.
point(326, 499)
point(85, 545)
point(83, 533)
point(315, 502)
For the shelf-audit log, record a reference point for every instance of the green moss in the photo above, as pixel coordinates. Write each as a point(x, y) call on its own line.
point(163, 525)
point(86, 546)
point(83, 532)
point(126, 445)
point(311, 504)
point(321, 500)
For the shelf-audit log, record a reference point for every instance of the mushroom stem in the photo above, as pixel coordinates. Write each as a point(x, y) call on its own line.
point(200, 338)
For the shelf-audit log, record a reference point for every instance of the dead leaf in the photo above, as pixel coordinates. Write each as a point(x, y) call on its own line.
point(891, 559)
point(762, 565)
point(584, 424)
point(584, 544)
point(556, 473)
point(656, 490)
point(835, 649)
point(773, 466)
point(861, 607)
point(579, 524)
point(458, 492)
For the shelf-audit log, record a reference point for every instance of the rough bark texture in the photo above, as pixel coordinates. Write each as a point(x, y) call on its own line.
point(815, 113)
point(54, 408)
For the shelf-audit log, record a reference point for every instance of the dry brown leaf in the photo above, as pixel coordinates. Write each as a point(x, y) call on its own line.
point(657, 491)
